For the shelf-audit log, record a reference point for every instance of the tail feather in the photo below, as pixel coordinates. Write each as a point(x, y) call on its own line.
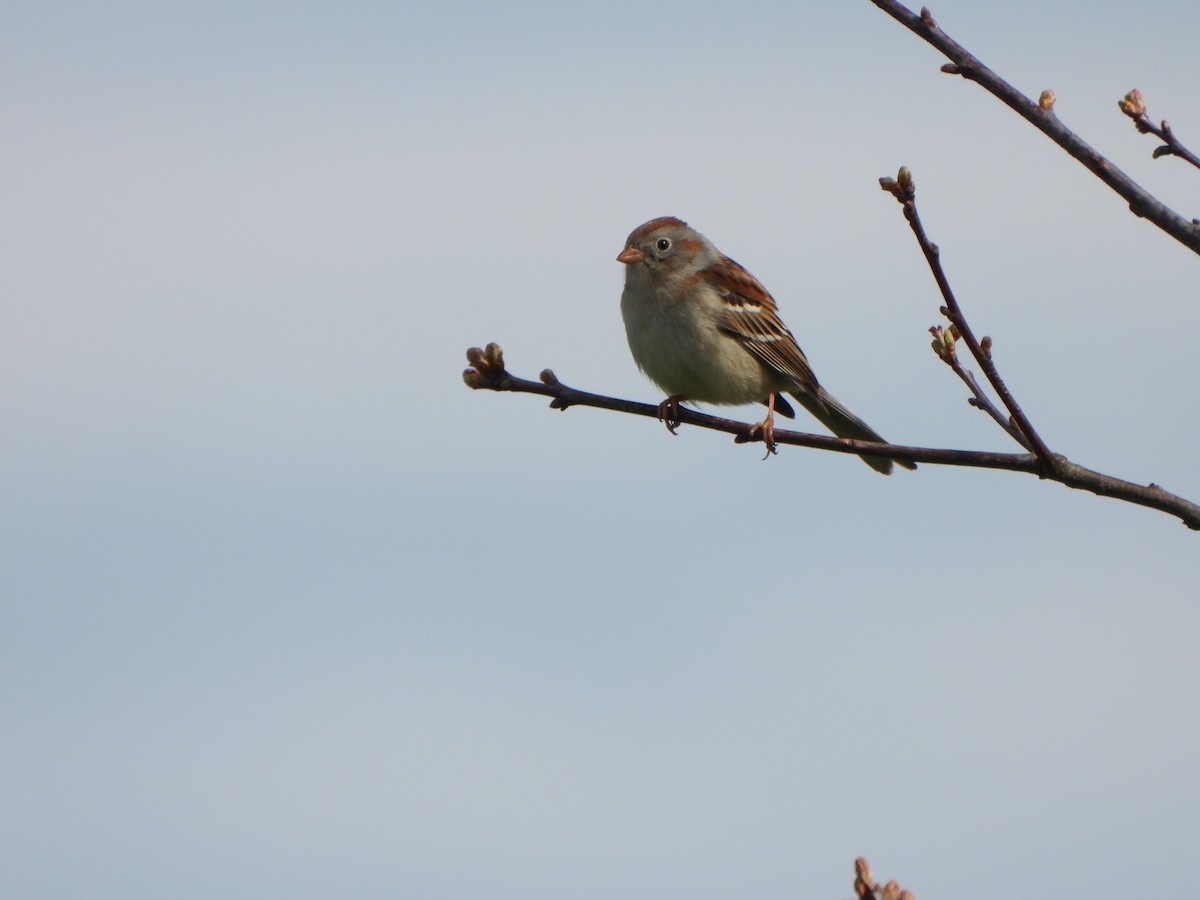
point(830, 412)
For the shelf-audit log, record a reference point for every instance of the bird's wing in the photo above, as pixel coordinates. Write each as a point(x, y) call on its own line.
point(752, 317)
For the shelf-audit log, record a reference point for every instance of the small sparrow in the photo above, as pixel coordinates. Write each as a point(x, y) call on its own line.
point(705, 330)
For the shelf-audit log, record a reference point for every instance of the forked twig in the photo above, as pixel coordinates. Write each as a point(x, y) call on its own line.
point(944, 340)
point(1134, 105)
point(1018, 426)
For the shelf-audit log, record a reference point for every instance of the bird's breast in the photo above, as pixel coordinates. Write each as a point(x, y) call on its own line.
point(678, 342)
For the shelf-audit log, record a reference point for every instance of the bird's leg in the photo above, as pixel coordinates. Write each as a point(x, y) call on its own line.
point(668, 411)
point(766, 427)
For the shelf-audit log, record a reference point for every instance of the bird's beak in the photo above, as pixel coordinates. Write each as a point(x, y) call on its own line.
point(630, 255)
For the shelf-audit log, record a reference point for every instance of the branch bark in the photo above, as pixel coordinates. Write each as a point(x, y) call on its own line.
point(1042, 116)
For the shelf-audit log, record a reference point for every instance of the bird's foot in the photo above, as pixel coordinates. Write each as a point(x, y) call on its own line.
point(765, 430)
point(668, 411)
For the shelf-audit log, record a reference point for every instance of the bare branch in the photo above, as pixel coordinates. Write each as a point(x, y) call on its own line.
point(1042, 116)
point(904, 189)
point(943, 345)
point(1134, 106)
point(487, 372)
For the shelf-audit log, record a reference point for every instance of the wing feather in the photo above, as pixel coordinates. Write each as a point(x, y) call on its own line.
point(752, 317)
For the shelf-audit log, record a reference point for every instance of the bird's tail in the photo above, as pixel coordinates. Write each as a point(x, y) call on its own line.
point(845, 424)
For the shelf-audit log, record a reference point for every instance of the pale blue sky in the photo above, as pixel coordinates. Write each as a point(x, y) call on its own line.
point(289, 612)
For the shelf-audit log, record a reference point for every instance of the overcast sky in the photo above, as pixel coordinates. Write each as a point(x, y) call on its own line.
point(287, 611)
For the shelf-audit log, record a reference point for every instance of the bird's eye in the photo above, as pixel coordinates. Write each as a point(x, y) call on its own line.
point(663, 245)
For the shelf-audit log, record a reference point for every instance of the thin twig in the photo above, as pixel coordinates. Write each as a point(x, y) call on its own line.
point(1134, 106)
point(487, 372)
point(944, 340)
point(903, 188)
point(1041, 116)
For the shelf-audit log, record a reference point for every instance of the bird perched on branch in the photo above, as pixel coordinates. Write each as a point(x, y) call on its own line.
point(704, 329)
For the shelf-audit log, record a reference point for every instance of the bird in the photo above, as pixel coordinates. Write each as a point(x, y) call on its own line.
point(705, 330)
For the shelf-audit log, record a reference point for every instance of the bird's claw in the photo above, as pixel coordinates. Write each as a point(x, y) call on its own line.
point(766, 432)
point(668, 412)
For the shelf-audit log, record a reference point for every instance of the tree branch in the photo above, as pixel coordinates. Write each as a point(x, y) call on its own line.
point(1134, 106)
point(943, 345)
point(1041, 115)
point(487, 372)
point(904, 189)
